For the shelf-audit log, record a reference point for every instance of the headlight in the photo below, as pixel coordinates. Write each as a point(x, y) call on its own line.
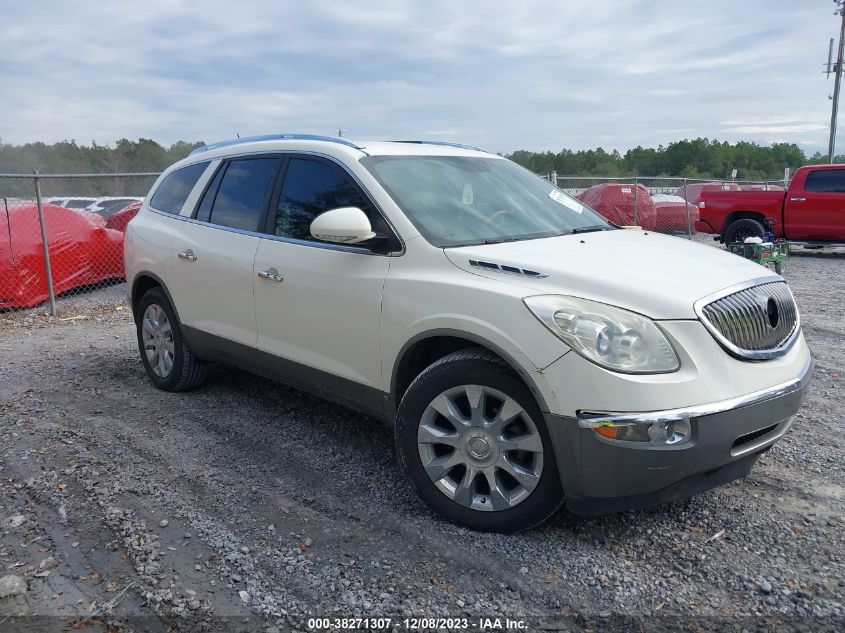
point(608, 336)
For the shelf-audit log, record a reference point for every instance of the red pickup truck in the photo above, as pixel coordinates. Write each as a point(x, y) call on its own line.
point(810, 211)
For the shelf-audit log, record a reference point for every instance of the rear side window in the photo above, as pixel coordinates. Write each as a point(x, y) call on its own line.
point(242, 194)
point(826, 180)
point(176, 187)
point(312, 187)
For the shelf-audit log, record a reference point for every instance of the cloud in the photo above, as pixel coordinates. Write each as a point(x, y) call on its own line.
point(502, 75)
point(792, 128)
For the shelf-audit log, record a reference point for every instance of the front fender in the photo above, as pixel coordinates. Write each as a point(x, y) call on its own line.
point(532, 376)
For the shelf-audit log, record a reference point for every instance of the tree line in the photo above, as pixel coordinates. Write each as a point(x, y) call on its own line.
point(69, 157)
point(697, 158)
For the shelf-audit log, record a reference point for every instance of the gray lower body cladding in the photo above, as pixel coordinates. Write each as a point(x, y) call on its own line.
point(601, 476)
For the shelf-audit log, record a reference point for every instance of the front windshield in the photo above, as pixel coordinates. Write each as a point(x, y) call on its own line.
point(463, 200)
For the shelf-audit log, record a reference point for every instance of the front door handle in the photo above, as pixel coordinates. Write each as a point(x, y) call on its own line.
point(272, 274)
point(187, 255)
point(798, 199)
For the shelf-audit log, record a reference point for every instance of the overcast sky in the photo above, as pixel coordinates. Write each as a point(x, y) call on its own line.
point(503, 75)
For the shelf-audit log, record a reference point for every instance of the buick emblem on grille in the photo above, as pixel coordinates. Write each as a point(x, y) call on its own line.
point(772, 312)
point(758, 321)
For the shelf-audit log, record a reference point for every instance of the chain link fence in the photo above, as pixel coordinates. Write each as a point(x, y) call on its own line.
point(662, 204)
point(61, 234)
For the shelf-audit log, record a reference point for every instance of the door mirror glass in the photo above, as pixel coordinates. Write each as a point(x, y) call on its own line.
point(347, 225)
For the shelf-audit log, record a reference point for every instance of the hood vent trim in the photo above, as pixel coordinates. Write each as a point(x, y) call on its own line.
point(506, 269)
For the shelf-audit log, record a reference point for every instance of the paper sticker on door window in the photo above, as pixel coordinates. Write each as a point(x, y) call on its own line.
point(569, 203)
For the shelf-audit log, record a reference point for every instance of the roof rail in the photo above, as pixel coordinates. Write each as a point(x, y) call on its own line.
point(446, 143)
point(277, 137)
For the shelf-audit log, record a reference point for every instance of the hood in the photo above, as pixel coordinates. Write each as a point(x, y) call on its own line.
point(656, 275)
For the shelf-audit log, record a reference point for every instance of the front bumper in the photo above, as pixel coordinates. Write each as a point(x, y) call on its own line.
point(602, 476)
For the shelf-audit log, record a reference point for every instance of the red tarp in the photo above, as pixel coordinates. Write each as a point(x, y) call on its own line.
point(672, 216)
point(82, 252)
point(694, 189)
point(120, 219)
point(616, 203)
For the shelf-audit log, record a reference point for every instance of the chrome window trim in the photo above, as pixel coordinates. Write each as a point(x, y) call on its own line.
point(735, 350)
point(278, 238)
point(265, 236)
point(592, 420)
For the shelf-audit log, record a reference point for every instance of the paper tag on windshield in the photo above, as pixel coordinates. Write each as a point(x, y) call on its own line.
point(468, 197)
point(569, 203)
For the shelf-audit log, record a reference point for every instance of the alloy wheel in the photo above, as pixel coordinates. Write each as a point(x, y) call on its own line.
point(480, 448)
point(157, 337)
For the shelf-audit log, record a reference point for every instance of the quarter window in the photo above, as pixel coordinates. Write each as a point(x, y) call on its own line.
point(176, 187)
point(313, 187)
point(826, 180)
point(240, 199)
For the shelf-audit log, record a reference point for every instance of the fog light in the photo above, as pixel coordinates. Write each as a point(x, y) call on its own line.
point(664, 433)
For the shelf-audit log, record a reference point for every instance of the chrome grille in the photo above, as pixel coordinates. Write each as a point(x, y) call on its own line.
point(755, 322)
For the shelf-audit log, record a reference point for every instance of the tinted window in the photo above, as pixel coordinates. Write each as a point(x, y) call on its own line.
point(176, 187)
point(239, 202)
point(204, 209)
point(830, 180)
point(312, 187)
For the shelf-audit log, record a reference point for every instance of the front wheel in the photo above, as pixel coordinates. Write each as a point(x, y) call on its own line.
point(474, 443)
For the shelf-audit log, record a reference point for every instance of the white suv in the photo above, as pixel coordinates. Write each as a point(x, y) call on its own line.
point(527, 352)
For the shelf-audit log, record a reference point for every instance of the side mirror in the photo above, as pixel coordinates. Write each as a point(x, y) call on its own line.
point(347, 225)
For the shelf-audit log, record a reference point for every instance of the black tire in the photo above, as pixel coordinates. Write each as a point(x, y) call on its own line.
point(476, 367)
point(780, 268)
point(739, 230)
point(187, 370)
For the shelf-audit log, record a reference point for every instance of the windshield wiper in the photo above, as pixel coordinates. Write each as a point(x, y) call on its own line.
point(589, 229)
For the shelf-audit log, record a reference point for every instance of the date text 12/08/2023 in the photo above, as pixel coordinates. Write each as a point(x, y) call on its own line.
point(417, 624)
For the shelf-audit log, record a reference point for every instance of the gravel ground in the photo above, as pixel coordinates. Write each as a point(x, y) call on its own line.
point(247, 505)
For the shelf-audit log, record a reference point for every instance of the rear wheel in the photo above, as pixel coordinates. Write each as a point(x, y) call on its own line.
point(166, 355)
point(740, 230)
point(473, 442)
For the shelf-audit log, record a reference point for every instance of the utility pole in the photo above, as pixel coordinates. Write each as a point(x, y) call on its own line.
point(837, 69)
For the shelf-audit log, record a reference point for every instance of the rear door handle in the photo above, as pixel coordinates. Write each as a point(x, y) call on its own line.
point(272, 274)
point(187, 255)
point(798, 199)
